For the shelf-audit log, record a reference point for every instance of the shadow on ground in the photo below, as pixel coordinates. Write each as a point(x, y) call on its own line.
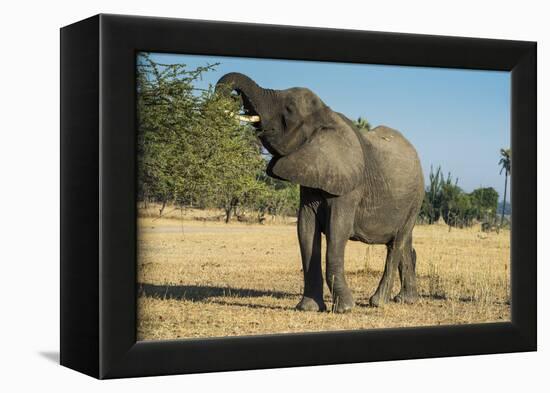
point(52, 356)
point(203, 292)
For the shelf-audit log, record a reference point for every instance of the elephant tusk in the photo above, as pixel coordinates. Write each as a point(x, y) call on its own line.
point(245, 118)
point(248, 119)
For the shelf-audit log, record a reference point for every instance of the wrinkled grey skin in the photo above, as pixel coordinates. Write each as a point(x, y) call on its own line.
point(360, 186)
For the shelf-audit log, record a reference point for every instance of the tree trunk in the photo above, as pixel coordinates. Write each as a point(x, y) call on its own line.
point(162, 208)
point(228, 214)
point(231, 208)
point(504, 201)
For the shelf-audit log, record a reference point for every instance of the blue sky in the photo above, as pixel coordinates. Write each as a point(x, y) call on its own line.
point(458, 119)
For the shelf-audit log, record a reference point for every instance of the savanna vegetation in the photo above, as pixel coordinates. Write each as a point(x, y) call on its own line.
point(203, 278)
point(445, 200)
point(191, 154)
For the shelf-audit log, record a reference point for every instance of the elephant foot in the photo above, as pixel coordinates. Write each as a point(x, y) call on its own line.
point(343, 304)
point(377, 301)
point(310, 304)
point(406, 298)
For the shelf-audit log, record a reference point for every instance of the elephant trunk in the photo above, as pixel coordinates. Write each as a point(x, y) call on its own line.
point(254, 98)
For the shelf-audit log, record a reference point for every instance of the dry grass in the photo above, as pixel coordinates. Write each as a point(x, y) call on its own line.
point(152, 211)
point(203, 278)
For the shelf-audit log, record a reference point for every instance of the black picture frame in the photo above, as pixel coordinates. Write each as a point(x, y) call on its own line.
point(98, 195)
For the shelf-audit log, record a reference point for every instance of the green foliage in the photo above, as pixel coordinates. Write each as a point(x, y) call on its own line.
point(444, 198)
point(505, 163)
point(452, 199)
point(275, 201)
point(362, 124)
point(485, 201)
point(191, 153)
point(431, 206)
point(505, 160)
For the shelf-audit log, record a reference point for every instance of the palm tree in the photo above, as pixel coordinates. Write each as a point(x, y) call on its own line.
point(362, 124)
point(505, 160)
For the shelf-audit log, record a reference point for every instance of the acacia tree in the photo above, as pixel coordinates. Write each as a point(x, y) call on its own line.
point(167, 114)
point(229, 158)
point(190, 152)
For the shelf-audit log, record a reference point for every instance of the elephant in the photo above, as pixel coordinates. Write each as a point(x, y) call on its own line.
point(354, 185)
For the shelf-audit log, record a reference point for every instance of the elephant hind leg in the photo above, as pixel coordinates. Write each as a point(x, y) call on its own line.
point(382, 294)
point(407, 274)
point(399, 256)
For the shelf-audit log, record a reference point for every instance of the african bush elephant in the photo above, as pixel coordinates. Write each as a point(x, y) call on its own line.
point(360, 186)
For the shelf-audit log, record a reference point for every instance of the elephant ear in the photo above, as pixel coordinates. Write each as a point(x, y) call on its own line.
point(331, 160)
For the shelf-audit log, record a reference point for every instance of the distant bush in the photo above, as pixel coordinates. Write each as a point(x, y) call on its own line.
point(445, 199)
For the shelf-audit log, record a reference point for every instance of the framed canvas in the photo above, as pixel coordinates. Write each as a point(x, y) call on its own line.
point(166, 273)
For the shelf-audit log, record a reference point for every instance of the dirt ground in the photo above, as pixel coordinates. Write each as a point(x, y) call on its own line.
point(201, 278)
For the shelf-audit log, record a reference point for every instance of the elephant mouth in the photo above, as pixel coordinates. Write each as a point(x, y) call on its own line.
point(248, 114)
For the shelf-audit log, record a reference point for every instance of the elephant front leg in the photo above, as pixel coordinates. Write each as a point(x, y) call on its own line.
point(336, 280)
point(309, 236)
point(339, 226)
